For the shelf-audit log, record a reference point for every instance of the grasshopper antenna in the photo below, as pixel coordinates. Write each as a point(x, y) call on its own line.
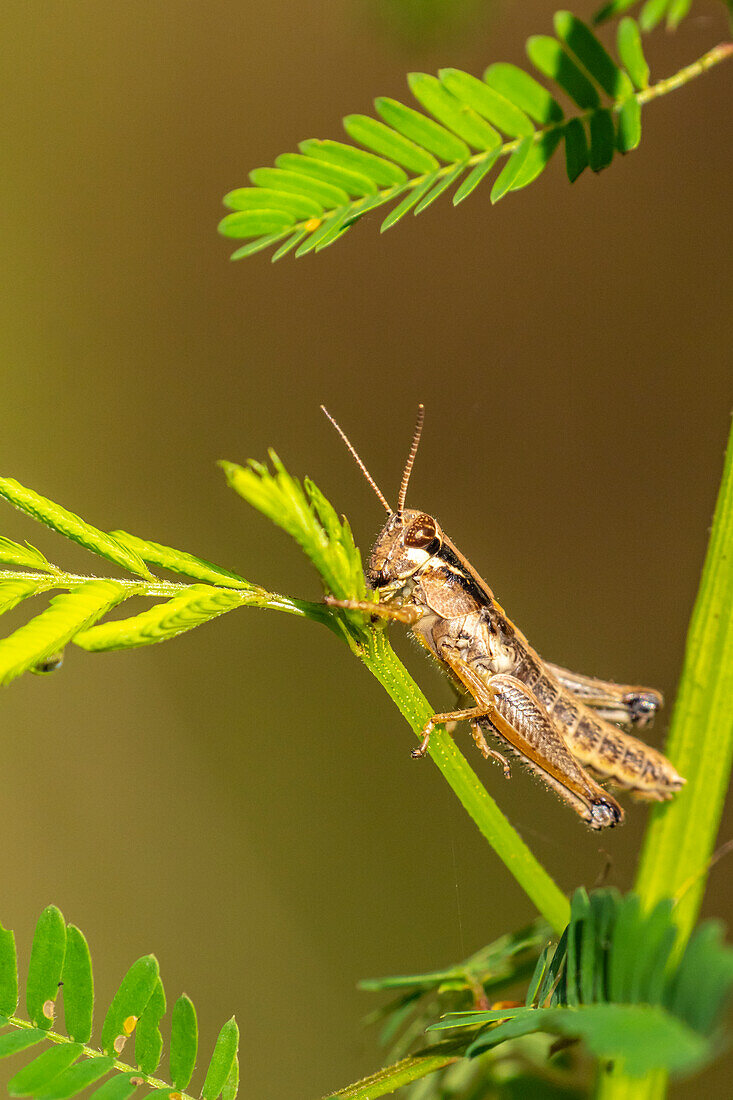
point(358, 461)
point(411, 457)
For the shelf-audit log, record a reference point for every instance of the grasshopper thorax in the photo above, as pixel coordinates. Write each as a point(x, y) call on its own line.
point(406, 543)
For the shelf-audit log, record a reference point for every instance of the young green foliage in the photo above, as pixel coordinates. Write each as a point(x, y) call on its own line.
point(466, 124)
point(612, 981)
point(60, 965)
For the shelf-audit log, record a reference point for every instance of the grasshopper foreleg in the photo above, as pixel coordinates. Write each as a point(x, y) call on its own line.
point(396, 612)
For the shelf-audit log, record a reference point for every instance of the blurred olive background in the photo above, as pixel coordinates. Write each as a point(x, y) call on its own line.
point(242, 801)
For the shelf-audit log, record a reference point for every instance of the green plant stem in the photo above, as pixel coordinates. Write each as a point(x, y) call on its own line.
point(252, 595)
point(380, 659)
point(679, 841)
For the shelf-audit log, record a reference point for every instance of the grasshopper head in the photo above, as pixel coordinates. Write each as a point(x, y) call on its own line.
point(409, 538)
point(407, 541)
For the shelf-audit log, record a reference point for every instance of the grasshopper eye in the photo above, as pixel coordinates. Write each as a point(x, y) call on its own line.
point(422, 534)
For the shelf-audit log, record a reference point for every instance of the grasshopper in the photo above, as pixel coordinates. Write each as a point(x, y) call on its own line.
point(563, 726)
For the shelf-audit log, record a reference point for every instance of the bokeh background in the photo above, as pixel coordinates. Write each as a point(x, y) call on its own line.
point(242, 801)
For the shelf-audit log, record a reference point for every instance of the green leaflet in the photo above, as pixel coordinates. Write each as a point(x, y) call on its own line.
point(389, 143)
point(459, 116)
point(8, 973)
point(76, 1078)
point(117, 1088)
point(222, 1060)
point(652, 14)
point(612, 9)
point(12, 553)
point(130, 999)
point(326, 194)
point(629, 126)
point(43, 1069)
point(252, 223)
point(602, 140)
point(507, 177)
point(12, 1042)
point(507, 117)
point(231, 1085)
point(67, 615)
point(70, 525)
point(45, 967)
point(537, 159)
point(179, 561)
point(423, 131)
point(473, 179)
point(411, 199)
point(13, 592)
point(439, 187)
point(592, 55)
point(547, 55)
point(383, 172)
point(640, 1038)
point(524, 92)
point(266, 198)
point(258, 245)
point(354, 183)
point(576, 148)
point(198, 604)
point(184, 1041)
point(78, 986)
point(148, 1039)
point(628, 44)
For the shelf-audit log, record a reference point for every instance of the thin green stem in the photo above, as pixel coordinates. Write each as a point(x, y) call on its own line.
point(380, 659)
point(252, 596)
point(679, 842)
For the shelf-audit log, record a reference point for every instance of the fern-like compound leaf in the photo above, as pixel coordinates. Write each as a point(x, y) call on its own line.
point(409, 157)
point(609, 982)
point(45, 967)
point(305, 514)
point(67, 615)
point(68, 524)
point(222, 1060)
point(68, 1066)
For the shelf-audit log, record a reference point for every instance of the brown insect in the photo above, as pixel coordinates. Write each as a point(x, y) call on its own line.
point(560, 724)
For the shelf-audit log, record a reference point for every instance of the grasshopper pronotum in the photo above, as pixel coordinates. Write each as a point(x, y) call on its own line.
point(557, 722)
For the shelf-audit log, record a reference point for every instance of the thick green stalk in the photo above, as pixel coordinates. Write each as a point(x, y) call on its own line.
point(380, 659)
point(681, 835)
